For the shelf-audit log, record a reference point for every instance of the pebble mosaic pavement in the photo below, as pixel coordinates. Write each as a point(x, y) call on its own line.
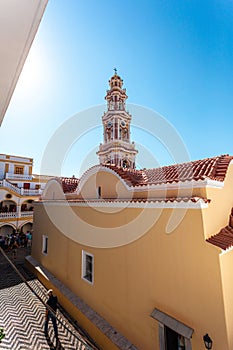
point(22, 313)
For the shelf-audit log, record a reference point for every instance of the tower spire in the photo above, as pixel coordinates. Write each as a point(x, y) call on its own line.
point(117, 148)
point(116, 96)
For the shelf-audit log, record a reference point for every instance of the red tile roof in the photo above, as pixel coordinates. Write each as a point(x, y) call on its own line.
point(144, 200)
point(224, 239)
point(69, 184)
point(212, 168)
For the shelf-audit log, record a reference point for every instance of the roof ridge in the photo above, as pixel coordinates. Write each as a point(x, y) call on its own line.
point(214, 168)
point(224, 238)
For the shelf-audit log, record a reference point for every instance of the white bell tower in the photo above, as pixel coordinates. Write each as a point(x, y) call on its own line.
point(117, 149)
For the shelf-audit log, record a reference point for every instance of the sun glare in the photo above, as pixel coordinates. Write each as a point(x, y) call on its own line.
point(34, 72)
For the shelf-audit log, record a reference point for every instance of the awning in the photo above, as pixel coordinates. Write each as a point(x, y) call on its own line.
point(172, 323)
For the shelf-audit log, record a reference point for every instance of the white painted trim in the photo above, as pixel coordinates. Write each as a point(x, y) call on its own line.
point(45, 240)
point(84, 255)
point(183, 185)
point(225, 251)
point(200, 204)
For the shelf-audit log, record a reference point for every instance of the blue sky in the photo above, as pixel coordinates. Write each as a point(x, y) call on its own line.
point(175, 57)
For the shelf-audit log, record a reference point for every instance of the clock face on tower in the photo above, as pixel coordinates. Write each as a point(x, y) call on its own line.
point(123, 123)
point(109, 125)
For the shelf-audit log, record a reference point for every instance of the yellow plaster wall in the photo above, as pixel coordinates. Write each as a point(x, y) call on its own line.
point(111, 186)
point(217, 215)
point(53, 191)
point(178, 273)
point(226, 261)
point(6, 168)
point(165, 192)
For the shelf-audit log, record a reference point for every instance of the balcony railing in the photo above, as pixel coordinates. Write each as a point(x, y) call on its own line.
point(18, 176)
point(7, 184)
point(21, 191)
point(8, 215)
point(15, 215)
point(25, 192)
point(116, 144)
point(26, 213)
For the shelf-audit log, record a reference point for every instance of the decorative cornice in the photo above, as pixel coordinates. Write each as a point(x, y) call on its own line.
point(179, 203)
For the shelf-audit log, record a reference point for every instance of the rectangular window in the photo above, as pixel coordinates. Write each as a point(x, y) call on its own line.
point(88, 267)
point(19, 170)
point(45, 240)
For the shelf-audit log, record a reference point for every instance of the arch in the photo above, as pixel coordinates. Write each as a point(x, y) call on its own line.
point(27, 226)
point(27, 205)
point(107, 161)
point(126, 163)
point(7, 229)
point(8, 205)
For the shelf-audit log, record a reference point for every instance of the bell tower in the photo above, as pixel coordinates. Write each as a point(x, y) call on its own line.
point(117, 149)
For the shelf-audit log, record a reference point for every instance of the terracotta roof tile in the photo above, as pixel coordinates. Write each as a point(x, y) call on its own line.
point(212, 168)
point(145, 200)
point(224, 239)
point(69, 184)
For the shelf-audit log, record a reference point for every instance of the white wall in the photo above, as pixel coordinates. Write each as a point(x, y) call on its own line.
point(2, 170)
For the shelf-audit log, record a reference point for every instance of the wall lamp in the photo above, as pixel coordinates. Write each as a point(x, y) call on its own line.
point(208, 341)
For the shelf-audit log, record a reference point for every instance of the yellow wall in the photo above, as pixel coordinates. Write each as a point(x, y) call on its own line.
point(111, 186)
point(53, 190)
point(178, 273)
point(217, 215)
point(226, 261)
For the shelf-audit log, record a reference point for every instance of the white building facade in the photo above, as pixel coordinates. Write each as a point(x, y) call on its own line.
point(19, 188)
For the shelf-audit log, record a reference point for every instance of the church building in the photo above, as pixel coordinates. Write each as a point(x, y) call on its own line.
point(141, 258)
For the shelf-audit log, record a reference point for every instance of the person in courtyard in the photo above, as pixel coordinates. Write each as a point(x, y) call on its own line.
point(14, 247)
point(29, 238)
point(51, 308)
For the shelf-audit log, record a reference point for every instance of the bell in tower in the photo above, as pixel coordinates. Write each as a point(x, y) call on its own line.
point(117, 149)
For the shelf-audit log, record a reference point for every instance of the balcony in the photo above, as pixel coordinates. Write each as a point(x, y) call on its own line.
point(20, 177)
point(8, 215)
point(25, 192)
point(20, 191)
point(15, 215)
point(7, 184)
point(28, 213)
point(116, 144)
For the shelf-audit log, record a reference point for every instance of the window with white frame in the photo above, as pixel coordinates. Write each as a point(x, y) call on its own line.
point(45, 241)
point(88, 267)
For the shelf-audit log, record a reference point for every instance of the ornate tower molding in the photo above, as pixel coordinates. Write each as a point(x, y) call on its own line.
point(117, 149)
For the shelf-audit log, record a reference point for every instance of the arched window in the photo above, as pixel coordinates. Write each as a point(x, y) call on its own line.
point(126, 163)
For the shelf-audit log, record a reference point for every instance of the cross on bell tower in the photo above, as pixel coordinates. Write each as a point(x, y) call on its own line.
point(117, 149)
